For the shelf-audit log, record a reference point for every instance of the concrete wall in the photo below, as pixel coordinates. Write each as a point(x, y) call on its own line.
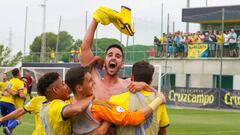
point(201, 70)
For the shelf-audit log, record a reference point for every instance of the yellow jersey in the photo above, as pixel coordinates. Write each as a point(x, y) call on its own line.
point(124, 98)
point(33, 106)
point(219, 39)
point(14, 84)
point(3, 85)
point(19, 102)
point(52, 119)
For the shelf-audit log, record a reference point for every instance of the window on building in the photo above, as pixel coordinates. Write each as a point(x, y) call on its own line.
point(227, 81)
point(188, 80)
point(170, 80)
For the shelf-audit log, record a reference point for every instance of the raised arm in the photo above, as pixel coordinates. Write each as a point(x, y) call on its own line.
point(13, 115)
point(86, 48)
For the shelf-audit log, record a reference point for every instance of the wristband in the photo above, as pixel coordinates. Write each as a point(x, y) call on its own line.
point(155, 103)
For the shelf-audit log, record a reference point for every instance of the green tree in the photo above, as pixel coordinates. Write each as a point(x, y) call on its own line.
point(65, 42)
point(6, 59)
point(77, 44)
point(100, 45)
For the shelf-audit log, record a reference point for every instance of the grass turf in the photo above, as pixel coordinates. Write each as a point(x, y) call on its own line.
point(183, 122)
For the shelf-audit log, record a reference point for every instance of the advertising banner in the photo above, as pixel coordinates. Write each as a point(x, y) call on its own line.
point(193, 97)
point(230, 99)
point(197, 50)
point(203, 98)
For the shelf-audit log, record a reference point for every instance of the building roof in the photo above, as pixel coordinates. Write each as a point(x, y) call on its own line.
point(211, 14)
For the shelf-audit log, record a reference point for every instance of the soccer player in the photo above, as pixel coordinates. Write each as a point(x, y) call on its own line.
point(33, 106)
point(30, 83)
point(111, 83)
point(3, 83)
point(14, 89)
point(142, 71)
point(81, 83)
point(57, 110)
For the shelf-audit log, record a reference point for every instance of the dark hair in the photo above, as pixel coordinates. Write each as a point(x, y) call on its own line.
point(115, 46)
point(23, 78)
point(75, 76)
point(45, 81)
point(15, 72)
point(142, 71)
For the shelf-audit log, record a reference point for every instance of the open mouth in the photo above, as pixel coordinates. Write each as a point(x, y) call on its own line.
point(112, 65)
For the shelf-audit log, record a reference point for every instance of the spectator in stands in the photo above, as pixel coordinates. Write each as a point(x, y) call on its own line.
point(52, 56)
point(233, 43)
point(178, 43)
point(238, 42)
point(163, 43)
point(201, 37)
point(219, 43)
point(226, 44)
point(157, 43)
point(187, 40)
point(170, 46)
point(72, 55)
point(212, 43)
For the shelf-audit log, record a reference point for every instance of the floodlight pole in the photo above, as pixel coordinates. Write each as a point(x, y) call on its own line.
point(162, 19)
point(166, 58)
point(25, 34)
point(59, 27)
point(43, 47)
point(221, 63)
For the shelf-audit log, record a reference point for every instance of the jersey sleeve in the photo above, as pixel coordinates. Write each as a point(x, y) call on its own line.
point(163, 116)
point(116, 114)
point(31, 105)
point(57, 110)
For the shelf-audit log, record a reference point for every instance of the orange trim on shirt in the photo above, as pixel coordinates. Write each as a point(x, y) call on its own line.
point(104, 110)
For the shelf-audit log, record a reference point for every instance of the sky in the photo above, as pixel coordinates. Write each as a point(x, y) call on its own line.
point(146, 15)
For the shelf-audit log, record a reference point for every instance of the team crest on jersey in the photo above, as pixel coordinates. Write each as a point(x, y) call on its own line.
point(119, 109)
point(9, 86)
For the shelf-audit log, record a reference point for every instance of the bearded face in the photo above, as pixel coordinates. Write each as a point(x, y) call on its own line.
point(113, 61)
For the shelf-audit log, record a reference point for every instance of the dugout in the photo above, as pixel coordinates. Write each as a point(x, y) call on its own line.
point(210, 18)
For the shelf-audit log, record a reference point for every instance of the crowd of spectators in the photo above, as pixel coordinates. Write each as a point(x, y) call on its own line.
point(176, 43)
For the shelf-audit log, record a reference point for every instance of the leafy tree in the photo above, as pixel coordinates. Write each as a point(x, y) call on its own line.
point(101, 44)
point(65, 42)
point(77, 44)
point(6, 59)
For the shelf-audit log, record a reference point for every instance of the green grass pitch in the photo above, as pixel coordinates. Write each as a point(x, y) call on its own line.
point(182, 122)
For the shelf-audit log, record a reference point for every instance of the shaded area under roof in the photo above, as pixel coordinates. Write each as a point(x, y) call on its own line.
point(211, 14)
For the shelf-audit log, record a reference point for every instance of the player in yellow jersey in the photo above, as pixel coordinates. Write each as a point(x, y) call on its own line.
point(57, 110)
point(13, 91)
point(142, 71)
point(3, 83)
point(33, 106)
point(81, 83)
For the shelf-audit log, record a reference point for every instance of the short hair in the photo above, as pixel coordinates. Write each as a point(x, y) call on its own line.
point(15, 72)
point(45, 81)
point(23, 78)
point(75, 76)
point(115, 46)
point(142, 71)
